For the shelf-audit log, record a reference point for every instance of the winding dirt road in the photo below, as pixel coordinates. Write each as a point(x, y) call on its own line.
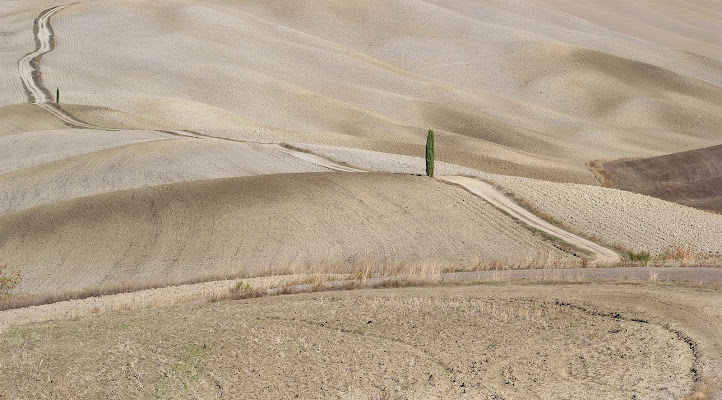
point(39, 94)
point(496, 198)
point(31, 77)
point(29, 65)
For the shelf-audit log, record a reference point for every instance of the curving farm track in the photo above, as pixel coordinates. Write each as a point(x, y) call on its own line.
point(39, 94)
point(493, 196)
point(31, 77)
point(313, 158)
point(676, 312)
point(29, 65)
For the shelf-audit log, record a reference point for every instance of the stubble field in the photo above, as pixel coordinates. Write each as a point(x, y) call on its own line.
point(495, 340)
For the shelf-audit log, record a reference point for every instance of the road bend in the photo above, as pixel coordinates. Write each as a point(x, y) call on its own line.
point(498, 199)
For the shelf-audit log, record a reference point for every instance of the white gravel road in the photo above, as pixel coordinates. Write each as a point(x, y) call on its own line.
point(44, 43)
point(492, 195)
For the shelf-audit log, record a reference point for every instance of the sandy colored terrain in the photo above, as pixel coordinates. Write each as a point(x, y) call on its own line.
point(615, 217)
point(498, 199)
point(693, 178)
point(164, 165)
point(20, 151)
point(19, 118)
point(627, 220)
point(694, 26)
point(141, 164)
point(146, 164)
point(509, 88)
point(549, 341)
point(16, 40)
point(260, 225)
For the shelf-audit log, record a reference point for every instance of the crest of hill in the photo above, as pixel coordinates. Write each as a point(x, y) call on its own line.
point(694, 26)
point(130, 164)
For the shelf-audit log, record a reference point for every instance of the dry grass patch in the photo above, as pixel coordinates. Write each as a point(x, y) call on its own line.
point(703, 390)
point(276, 278)
point(603, 176)
point(672, 256)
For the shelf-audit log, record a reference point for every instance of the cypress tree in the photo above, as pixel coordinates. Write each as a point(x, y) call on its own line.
point(430, 154)
point(57, 95)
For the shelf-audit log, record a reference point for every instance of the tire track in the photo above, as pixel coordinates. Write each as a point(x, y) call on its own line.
point(313, 158)
point(32, 78)
point(38, 94)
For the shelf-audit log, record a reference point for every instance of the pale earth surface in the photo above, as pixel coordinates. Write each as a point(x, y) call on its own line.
point(519, 95)
point(489, 341)
point(508, 87)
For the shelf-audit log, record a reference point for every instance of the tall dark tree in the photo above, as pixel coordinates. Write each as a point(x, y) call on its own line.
point(430, 154)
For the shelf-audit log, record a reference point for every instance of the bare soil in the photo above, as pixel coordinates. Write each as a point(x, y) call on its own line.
point(692, 26)
point(490, 194)
point(516, 90)
point(264, 225)
point(540, 341)
point(510, 88)
point(692, 178)
point(630, 221)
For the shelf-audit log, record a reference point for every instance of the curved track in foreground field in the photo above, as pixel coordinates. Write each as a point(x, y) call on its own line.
point(551, 341)
point(684, 313)
point(490, 194)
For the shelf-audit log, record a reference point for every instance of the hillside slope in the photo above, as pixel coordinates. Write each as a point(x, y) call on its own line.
point(509, 87)
point(693, 178)
point(694, 26)
point(323, 222)
point(133, 165)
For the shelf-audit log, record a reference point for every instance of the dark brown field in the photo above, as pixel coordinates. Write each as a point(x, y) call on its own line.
point(692, 178)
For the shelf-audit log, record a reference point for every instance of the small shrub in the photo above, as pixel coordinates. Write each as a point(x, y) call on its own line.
point(9, 280)
point(242, 290)
point(243, 287)
point(680, 253)
point(643, 256)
